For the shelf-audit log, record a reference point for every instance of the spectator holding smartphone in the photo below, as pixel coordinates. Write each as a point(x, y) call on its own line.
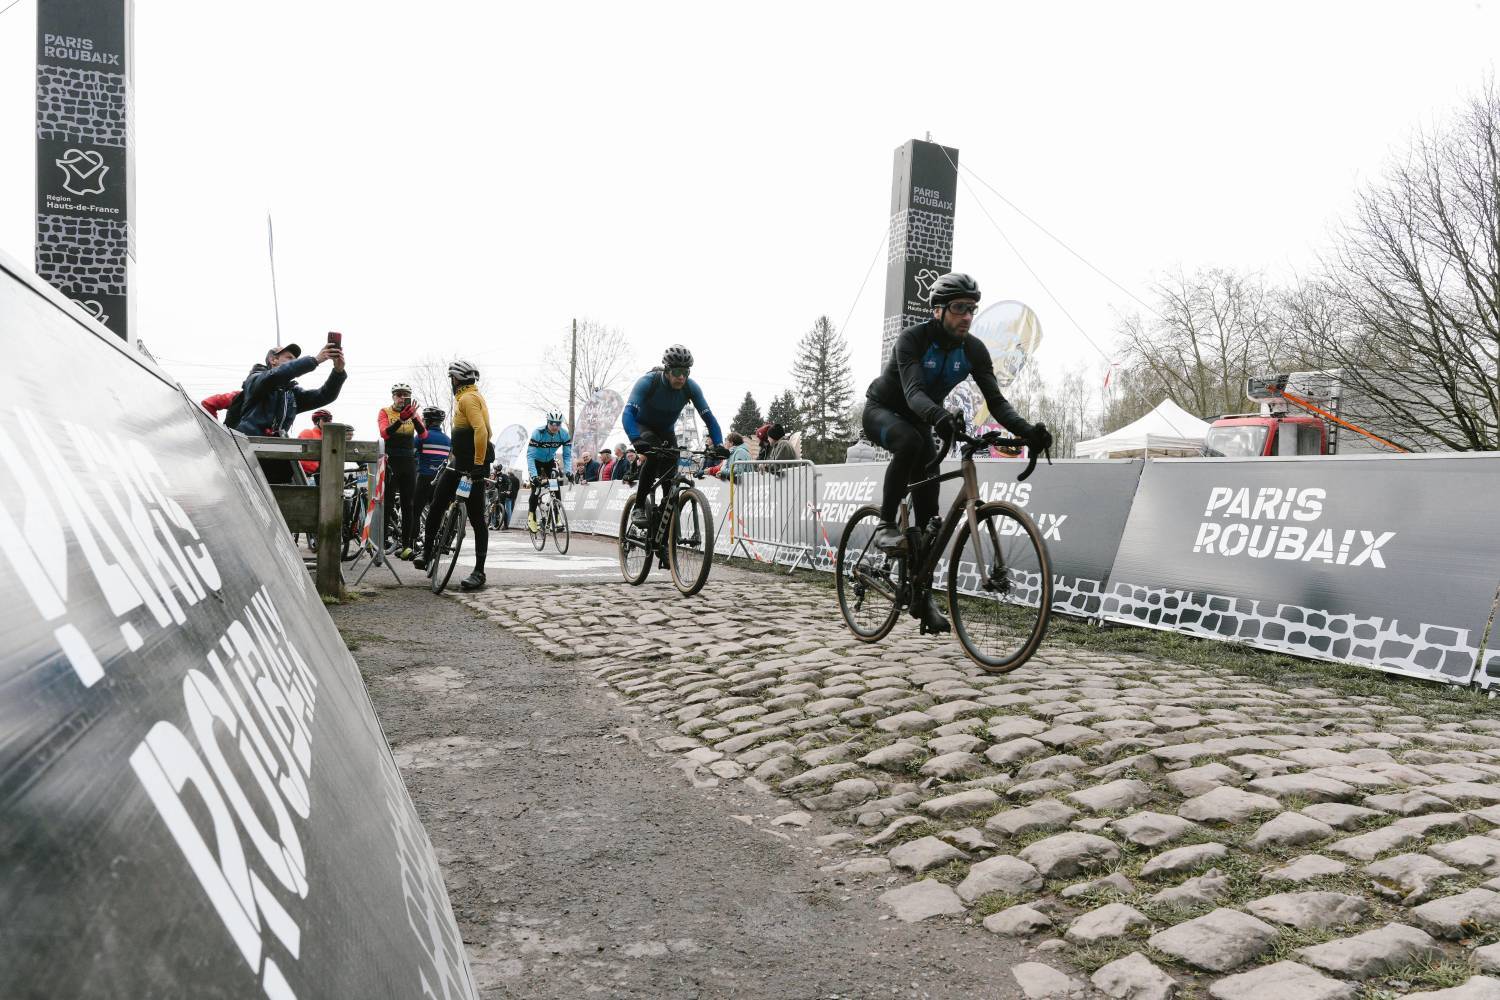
point(270, 397)
point(401, 427)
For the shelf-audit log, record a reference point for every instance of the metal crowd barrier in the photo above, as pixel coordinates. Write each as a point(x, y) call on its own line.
point(773, 512)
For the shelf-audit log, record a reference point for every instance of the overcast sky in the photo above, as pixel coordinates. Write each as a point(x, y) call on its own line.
point(462, 179)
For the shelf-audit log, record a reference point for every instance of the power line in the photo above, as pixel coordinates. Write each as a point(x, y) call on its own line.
point(884, 236)
point(1060, 242)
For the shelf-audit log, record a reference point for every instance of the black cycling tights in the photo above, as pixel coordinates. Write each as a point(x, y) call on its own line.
point(654, 466)
point(445, 486)
point(913, 457)
point(401, 489)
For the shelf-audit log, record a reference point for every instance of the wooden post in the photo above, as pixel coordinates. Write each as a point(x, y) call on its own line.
point(331, 509)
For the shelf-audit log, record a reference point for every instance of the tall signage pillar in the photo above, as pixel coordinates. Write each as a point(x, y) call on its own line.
point(921, 241)
point(85, 176)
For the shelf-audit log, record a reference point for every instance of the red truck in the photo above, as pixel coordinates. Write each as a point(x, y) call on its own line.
point(1299, 415)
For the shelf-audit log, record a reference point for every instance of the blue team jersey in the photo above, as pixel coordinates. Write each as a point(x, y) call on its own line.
point(655, 406)
point(944, 369)
point(543, 448)
point(434, 452)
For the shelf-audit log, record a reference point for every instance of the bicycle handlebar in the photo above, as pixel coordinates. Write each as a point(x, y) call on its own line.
point(993, 439)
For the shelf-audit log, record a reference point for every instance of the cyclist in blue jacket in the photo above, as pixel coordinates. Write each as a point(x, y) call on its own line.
point(541, 459)
point(650, 420)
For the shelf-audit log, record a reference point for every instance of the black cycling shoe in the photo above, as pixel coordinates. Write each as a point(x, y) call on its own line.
point(932, 619)
point(474, 581)
point(890, 539)
point(420, 562)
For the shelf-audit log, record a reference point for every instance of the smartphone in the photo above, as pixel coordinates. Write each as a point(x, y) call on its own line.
point(336, 339)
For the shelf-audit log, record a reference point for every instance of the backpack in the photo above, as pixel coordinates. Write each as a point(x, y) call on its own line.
point(236, 410)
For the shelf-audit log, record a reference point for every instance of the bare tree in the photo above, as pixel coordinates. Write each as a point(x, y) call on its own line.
point(429, 382)
point(605, 361)
point(1066, 406)
point(1414, 290)
point(1209, 332)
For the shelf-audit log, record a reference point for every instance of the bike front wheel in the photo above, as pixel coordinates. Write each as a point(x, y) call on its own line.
point(869, 582)
point(635, 548)
point(1000, 588)
point(560, 535)
point(690, 542)
point(450, 544)
point(539, 533)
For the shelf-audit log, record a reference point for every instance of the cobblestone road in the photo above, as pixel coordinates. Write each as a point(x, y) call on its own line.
point(1153, 829)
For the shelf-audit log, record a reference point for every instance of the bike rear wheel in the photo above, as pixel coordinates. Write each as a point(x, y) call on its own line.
point(869, 582)
point(635, 548)
point(690, 542)
point(450, 544)
point(1000, 588)
point(560, 536)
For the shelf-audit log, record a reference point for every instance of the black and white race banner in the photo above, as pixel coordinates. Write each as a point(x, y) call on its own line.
point(1079, 506)
point(198, 800)
point(1390, 562)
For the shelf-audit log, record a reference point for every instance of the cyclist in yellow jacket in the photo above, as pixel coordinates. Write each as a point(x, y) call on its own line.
point(472, 454)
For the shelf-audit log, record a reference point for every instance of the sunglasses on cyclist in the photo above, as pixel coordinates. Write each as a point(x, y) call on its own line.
point(963, 308)
point(677, 372)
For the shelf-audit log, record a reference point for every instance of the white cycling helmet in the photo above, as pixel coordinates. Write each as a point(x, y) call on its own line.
point(554, 417)
point(463, 371)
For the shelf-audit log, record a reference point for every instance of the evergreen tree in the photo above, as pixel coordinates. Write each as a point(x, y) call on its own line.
point(783, 411)
point(748, 419)
point(825, 392)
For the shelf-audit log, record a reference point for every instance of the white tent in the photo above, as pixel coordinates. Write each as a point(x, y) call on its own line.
point(1166, 430)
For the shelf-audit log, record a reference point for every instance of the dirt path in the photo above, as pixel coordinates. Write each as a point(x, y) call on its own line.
point(580, 862)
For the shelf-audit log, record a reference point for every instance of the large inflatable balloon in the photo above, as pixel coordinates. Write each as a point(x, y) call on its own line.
point(1012, 332)
point(597, 418)
point(510, 445)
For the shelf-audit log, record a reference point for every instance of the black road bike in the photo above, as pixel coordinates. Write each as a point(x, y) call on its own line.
point(551, 519)
point(999, 576)
point(679, 531)
point(450, 536)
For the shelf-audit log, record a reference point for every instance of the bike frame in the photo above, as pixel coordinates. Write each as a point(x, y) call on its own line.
point(670, 483)
point(965, 505)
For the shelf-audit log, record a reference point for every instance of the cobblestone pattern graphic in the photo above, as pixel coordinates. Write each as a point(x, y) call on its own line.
point(81, 256)
point(1116, 814)
point(81, 105)
point(922, 237)
point(1435, 651)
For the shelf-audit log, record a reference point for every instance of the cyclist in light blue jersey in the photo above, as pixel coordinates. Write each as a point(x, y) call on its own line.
point(541, 459)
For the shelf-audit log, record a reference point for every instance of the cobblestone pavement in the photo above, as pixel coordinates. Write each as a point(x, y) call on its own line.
point(1152, 829)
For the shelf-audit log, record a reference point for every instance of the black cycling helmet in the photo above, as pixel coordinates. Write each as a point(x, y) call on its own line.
point(953, 285)
point(433, 415)
point(677, 356)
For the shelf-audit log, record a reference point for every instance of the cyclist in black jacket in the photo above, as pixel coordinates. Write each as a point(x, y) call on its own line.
point(904, 405)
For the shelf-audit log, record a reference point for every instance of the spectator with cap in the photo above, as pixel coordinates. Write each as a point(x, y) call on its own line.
point(271, 398)
point(781, 448)
point(633, 470)
point(315, 433)
point(606, 464)
point(762, 442)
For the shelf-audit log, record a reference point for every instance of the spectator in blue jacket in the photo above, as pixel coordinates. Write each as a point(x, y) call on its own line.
point(591, 470)
point(617, 471)
point(271, 397)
